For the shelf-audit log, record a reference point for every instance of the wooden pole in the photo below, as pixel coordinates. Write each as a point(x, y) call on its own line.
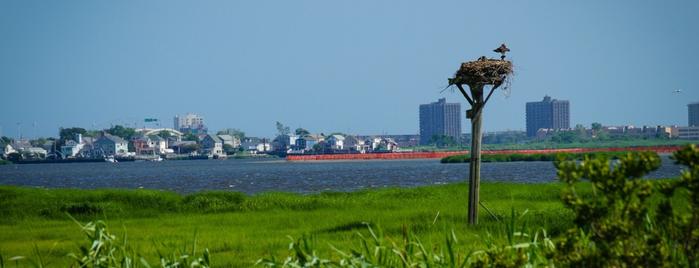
point(475, 167)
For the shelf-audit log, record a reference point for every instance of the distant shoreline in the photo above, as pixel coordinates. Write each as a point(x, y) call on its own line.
point(430, 155)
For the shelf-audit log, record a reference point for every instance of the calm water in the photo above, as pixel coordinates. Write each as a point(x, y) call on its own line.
point(253, 176)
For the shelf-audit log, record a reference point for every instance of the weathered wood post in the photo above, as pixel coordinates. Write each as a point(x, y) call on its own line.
point(477, 74)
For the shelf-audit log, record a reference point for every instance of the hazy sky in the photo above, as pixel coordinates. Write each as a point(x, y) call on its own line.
point(352, 66)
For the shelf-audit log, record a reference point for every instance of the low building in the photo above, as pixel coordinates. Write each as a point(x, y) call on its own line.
point(688, 133)
point(109, 145)
point(212, 145)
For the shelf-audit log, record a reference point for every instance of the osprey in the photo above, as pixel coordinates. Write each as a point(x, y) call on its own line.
point(502, 50)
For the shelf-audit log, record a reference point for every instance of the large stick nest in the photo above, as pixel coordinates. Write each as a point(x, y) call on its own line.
point(482, 72)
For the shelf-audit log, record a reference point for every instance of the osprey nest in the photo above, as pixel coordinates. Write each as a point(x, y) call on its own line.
point(482, 72)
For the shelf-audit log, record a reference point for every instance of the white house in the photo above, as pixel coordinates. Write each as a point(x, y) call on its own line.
point(336, 142)
point(111, 145)
point(212, 145)
point(72, 147)
point(254, 147)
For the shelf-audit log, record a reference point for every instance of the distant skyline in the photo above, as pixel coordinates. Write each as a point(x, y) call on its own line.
point(360, 67)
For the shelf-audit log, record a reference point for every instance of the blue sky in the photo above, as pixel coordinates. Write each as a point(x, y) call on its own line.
point(352, 66)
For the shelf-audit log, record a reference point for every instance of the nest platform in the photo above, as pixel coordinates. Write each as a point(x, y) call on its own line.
point(482, 72)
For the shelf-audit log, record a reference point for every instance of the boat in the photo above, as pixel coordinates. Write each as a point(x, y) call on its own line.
point(110, 159)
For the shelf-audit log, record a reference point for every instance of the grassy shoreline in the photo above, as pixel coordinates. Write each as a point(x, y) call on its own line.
point(239, 229)
point(465, 158)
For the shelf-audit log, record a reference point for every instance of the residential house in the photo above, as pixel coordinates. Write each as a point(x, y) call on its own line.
point(307, 142)
point(335, 142)
point(111, 145)
point(255, 147)
point(284, 143)
point(212, 145)
point(353, 144)
point(72, 147)
point(233, 141)
point(151, 145)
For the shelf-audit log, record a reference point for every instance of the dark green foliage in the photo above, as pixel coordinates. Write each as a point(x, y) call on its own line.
point(301, 132)
point(615, 226)
point(121, 131)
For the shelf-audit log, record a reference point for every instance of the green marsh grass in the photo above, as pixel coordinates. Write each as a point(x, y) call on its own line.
point(239, 229)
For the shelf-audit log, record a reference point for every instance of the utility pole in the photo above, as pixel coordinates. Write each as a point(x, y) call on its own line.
point(478, 74)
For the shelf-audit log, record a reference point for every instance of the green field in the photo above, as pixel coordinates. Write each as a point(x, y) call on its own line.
point(238, 229)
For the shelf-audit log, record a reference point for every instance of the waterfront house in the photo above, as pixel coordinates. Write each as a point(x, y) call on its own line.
point(212, 145)
point(150, 145)
point(231, 140)
point(336, 142)
point(72, 147)
point(256, 147)
point(284, 143)
point(108, 145)
point(307, 142)
point(353, 144)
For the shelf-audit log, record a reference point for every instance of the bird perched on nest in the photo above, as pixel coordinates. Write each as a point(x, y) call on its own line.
point(502, 50)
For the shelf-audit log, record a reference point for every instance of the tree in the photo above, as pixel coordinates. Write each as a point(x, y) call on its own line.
point(121, 131)
point(282, 129)
point(301, 132)
point(596, 126)
point(70, 133)
point(190, 137)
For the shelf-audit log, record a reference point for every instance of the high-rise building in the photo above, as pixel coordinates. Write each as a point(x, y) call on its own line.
point(547, 114)
point(440, 118)
point(693, 109)
point(190, 123)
